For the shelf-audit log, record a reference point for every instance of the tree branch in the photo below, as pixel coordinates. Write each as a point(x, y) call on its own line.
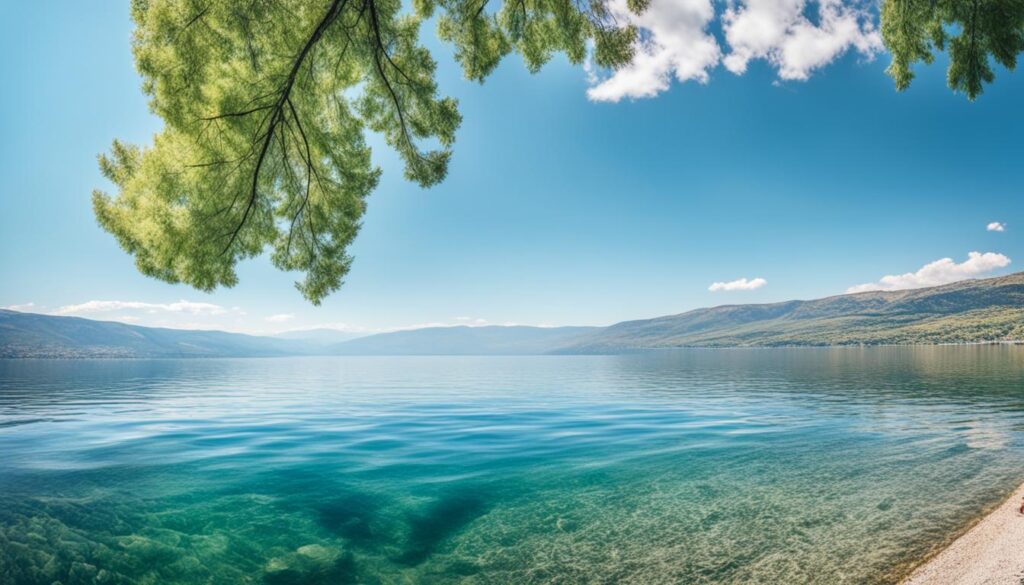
point(277, 113)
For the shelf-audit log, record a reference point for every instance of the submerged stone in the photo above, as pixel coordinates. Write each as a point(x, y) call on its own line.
point(311, 564)
point(442, 520)
point(350, 517)
point(317, 552)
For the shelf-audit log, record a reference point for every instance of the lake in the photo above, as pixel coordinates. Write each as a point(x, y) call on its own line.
point(690, 466)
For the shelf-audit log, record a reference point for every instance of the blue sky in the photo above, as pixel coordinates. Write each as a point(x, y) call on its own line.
point(558, 209)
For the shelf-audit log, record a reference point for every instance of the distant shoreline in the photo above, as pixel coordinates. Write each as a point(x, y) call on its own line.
point(622, 351)
point(991, 552)
point(834, 346)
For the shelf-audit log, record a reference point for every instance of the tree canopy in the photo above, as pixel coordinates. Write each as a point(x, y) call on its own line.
point(266, 105)
point(975, 32)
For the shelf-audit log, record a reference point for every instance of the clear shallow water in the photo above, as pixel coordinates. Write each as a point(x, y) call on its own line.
point(704, 466)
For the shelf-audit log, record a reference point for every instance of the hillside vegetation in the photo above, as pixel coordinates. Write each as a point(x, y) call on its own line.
point(963, 312)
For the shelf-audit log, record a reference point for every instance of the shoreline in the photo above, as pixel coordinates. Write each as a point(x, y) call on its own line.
point(989, 553)
point(620, 351)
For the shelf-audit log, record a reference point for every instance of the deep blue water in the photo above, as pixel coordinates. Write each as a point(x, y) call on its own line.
point(703, 466)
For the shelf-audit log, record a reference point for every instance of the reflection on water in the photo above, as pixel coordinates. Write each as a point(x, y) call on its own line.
point(698, 466)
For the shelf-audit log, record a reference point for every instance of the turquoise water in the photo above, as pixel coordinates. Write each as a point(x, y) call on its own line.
point(713, 466)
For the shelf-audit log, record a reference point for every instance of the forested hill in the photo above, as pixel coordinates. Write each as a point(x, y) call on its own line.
point(969, 311)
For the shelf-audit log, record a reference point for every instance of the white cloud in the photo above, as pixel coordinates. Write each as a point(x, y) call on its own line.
point(780, 32)
point(178, 307)
point(996, 226)
point(739, 284)
point(22, 308)
point(674, 43)
point(175, 315)
point(281, 318)
point(943, 271)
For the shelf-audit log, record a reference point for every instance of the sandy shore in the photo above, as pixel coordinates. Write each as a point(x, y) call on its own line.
point(991, 553)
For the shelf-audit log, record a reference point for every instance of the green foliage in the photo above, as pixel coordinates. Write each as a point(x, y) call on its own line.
point(266, 107)
point(976, 32)
point(267, 103)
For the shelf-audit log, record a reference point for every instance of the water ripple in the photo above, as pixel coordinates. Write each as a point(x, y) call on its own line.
point(731, 466)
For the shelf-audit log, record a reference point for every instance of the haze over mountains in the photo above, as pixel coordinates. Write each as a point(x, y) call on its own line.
point(30, 335)
point(968, 311)
point(320, 335)
point(490, 340)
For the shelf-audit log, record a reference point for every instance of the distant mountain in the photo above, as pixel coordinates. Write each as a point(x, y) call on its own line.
point(968, 311)
point(322, 336)
point(47, 336)
point(492, 340)
point(30, 335)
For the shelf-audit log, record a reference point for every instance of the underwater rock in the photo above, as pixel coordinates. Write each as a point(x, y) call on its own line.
point(317, 553)
point(311, 564)
point(350, 516)
point(445, 518)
